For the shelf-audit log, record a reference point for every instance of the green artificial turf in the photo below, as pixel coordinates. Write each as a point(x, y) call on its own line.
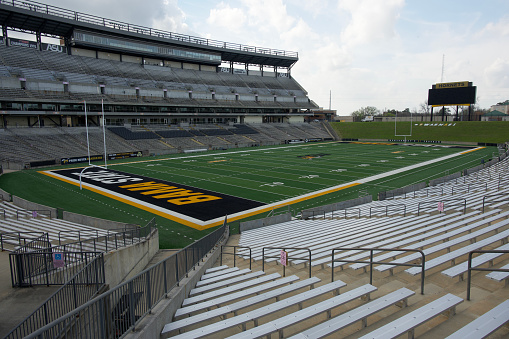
point(267, 175)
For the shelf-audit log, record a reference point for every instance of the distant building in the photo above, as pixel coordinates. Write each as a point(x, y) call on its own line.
point(495, 116)
point(501, 107)
point(321, 114)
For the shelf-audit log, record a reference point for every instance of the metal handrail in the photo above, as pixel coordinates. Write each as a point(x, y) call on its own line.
point(348, 209)
point(386, 207)
point(234, 254)
point(34, 213)
point(371, 262)
point(79, 234)
point(490, 269)
point(444, 201)
point(96, 20)
point(493, 195)
point(3, 235)
point(284, 249)
point(136, 296)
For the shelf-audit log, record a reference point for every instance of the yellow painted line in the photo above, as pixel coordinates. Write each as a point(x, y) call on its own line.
point(472, 150)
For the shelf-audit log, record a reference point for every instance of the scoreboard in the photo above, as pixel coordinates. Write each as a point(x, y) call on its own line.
point(452, 94)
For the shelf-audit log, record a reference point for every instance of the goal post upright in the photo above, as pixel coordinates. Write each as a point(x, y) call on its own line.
point(396, 128)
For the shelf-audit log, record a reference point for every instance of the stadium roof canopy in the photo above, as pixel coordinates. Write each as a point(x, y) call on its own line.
point(39, 18)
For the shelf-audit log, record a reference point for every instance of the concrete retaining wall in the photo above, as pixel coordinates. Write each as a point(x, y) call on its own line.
point(5, 195)
point(473, 169)
point(96, 222)
point(28, 205)
point(162, 313)
point(252, 224)
point(335, 206)
point(402, 190)
point(124, 263)
point(441, 180)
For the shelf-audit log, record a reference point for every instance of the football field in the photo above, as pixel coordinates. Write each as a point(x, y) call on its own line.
point(198, 190)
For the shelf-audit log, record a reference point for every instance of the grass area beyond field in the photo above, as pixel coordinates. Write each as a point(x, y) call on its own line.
point(493, 132)
point(268, 175)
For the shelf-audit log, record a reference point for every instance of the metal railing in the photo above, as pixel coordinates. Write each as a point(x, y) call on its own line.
point(284, 249)
point(26, 266)
point(117, 311)
point(234, 254)
point(493, 196)
point(79, 289)
point(109, 23)
point(489, 269)
point(452, 201)
point(371, 262)
point(387, 209)
point(32, 213)
point(347, 210)
point(19, 239)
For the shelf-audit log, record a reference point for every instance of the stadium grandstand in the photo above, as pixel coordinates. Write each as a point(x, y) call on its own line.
point(428, 260)
point(160, 92)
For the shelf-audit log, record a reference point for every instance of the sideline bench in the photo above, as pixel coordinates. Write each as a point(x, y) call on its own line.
point(235, 307)
point(360, 313)
point(486, 324)
point(255, 315)
point(410, 321)
point(306, 313)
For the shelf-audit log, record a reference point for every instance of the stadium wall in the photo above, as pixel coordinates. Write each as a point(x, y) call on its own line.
point(398, 191)
point(126, 262)
point(254, 224)
point(32, 206)
point(316, 211)
point(441, 180)
point(162, 313)
point(96, 222)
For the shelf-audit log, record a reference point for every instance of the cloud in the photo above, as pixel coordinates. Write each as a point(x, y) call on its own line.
point(227, 17)
point(497, 73)
point(371, 20)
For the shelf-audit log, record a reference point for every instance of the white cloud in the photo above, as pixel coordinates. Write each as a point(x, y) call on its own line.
point(227, 17)
point(497, 73)
point(371, 20)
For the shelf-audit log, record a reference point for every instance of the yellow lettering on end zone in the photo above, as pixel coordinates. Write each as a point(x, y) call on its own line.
point(146, 186)
point(177, 193)
point(193, 200)
point(164, 190)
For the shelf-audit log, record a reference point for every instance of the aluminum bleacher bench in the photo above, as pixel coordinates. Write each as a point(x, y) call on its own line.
point(486, 324)
point(278, 325)
point(410, 321)
point(461, 269)
point(216, 269)
point(255, 280)
point(499, 276)
point(418, 241)
point(360, 313)
point(452, 256)
point(224, 283)
point(234, 296)
point(215, 274)
point(446, 244)
point(258, 313)
point(229, 275)
point(242, 304)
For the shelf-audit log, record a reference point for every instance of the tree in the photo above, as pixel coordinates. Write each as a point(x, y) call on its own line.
point(424, 107)
point(359, 114)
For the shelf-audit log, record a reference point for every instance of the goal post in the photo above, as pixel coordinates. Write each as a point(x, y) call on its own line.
point(402, 134)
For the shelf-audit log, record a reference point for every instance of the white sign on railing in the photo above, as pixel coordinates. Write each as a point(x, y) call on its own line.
point(283, 258)
point(440, 207)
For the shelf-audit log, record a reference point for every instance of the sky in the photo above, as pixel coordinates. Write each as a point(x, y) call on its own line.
point(352, 53)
